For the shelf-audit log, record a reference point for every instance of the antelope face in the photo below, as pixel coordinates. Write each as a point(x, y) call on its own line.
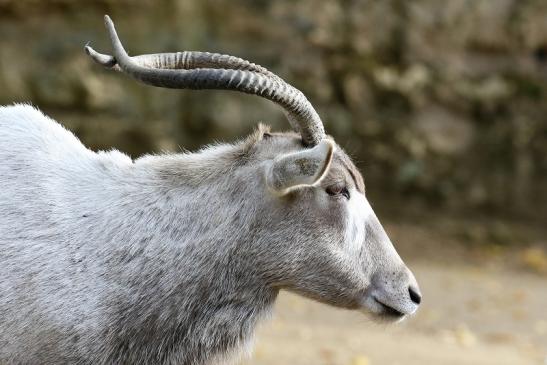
point(335, 251)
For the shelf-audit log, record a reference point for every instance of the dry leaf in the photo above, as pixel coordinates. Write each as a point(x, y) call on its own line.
point(464, 336)
point(360, 360)
point(535, 259)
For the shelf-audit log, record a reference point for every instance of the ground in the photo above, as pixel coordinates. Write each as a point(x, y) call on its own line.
point(481, 306)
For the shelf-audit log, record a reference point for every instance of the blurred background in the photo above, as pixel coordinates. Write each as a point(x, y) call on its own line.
point(443, 106)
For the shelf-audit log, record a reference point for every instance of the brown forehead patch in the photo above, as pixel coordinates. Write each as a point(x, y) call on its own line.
point(352, 170)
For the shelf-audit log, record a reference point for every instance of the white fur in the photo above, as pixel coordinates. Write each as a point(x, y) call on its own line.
point(359, 212)
point(172, 259)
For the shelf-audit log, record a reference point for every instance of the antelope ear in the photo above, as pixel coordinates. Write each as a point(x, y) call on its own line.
point(302, 168)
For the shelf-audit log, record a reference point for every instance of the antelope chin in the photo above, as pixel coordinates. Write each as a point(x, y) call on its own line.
point(382, 312)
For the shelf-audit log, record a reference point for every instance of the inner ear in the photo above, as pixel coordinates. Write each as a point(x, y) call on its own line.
point(303, 168)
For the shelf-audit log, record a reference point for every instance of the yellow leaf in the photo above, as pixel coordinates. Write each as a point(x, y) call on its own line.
point(464, 336)
point(536, 259)
point(360, 360)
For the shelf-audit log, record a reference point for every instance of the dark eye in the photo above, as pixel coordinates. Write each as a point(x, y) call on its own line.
point(338, 189)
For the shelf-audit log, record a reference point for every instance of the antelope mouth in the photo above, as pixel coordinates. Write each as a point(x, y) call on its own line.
point(388, 311)
point(383, 312)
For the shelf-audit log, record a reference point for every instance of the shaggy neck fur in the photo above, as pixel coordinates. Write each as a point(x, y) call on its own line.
point(199, 299)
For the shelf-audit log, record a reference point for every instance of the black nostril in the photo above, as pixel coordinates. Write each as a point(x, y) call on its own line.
point(414, 295)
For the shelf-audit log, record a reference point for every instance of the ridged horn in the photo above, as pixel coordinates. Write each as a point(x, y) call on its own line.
point(186, 60)
point(212, 71)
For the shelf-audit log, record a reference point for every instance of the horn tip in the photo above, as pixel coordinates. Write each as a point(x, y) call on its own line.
point(102, 59)
point(88, 49)
point(108, 22)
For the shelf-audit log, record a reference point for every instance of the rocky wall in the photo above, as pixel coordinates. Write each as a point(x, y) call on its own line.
point(443, 103)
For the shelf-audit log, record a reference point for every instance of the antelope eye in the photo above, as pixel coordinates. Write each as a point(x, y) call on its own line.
point(338, 189)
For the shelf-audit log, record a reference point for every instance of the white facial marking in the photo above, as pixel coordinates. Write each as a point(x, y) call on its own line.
point(359, 211)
